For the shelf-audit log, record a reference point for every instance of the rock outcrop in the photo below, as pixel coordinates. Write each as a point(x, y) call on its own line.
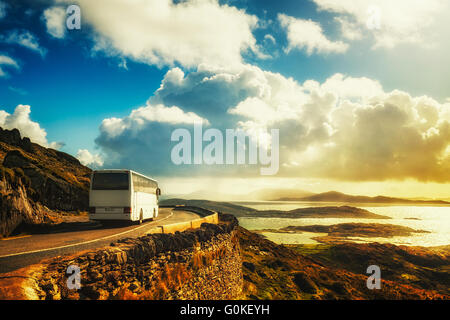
point(35, 179)
point(15, 206)
point(13, 138)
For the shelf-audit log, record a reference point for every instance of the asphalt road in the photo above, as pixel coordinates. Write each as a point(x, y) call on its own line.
point(25, 250)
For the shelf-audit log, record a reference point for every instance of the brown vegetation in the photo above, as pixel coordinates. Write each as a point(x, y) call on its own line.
point(274, 271)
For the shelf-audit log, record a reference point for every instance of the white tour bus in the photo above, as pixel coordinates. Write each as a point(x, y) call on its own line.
point(122, 195)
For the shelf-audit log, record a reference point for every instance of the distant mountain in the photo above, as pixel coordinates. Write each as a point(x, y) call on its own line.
point(274, 194)
point(334, 196)
point(242, 211)
point(266, 194)
point(207, 195)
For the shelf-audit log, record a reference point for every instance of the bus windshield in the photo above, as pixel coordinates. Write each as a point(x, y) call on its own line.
point(110, 181)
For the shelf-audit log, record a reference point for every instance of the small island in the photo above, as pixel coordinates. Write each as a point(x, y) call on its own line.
point(339, 233)
point(321, 212)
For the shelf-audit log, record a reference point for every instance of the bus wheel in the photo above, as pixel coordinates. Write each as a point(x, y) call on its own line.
point(141, 217)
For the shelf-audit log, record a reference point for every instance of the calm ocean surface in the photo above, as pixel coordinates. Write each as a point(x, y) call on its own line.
point(433, 219)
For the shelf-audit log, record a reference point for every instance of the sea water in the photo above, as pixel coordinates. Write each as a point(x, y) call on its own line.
point(435, 219)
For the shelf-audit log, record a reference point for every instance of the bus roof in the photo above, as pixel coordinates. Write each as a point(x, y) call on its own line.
point(125, 170)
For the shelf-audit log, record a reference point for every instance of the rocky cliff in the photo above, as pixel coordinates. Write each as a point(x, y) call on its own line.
point(35, 180)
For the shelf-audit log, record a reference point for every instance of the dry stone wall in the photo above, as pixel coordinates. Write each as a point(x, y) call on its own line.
point(203, 263)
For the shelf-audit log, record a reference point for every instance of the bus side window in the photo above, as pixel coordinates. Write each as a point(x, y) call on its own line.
point(141, 184)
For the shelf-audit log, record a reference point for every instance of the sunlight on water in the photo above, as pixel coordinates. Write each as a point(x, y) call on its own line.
point(289, 238)
point(433, 219)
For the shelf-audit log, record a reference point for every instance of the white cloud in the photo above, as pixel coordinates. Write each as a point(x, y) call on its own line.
point(123, 64)
point(161, 32)
point(256, 109)
point(349, 30)
point(88, 159)
point(24, 39)
point(215, 93)
point(345, 128)
point(9, 62)
point(19, 91)
point(20, 119)
point(140, 117)
point(347, 87)
point(270, 38)
point(141, 140)
point(160, 113)
point(400, 21)
point(308, 35)
point(55, 18)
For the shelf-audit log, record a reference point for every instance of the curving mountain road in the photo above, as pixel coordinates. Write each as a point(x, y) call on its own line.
point(21, 251)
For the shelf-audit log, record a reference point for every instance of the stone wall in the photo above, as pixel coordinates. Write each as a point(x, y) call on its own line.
point(203, 263)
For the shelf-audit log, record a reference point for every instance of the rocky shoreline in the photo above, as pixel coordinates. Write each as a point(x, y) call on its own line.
point(338, 271)
point(344, 232)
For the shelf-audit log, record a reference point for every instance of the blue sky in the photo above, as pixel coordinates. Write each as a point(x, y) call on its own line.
point(70, 90)
point(75, 79)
